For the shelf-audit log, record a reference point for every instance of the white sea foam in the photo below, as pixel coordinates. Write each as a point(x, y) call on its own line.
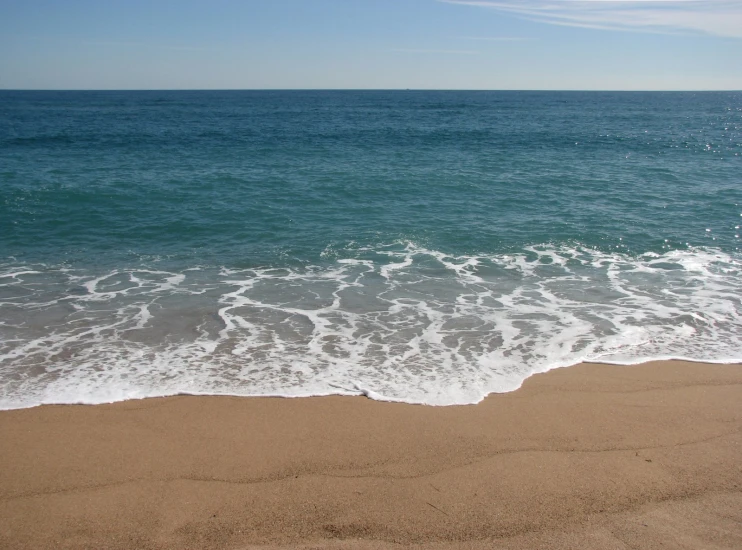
point(396, 322)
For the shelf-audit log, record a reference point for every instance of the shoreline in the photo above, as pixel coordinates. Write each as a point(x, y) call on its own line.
point(371, 394)
point(593, 455)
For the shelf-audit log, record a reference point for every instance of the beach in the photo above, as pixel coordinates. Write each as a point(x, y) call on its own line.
point(367, 275)
point(590, 456)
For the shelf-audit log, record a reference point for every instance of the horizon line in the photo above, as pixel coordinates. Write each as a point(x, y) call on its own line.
point(367, 90)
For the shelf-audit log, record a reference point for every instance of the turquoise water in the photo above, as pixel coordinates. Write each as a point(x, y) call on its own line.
point(429, 247)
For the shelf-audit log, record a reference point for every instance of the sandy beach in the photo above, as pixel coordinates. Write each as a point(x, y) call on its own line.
point(591, 456)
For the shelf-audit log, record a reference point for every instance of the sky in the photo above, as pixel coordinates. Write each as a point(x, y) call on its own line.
point(371, 44)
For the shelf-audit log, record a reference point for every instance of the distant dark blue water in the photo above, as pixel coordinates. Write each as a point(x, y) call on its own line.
point(429, 247)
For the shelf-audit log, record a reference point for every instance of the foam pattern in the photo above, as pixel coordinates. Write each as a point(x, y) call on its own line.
point(394, 322)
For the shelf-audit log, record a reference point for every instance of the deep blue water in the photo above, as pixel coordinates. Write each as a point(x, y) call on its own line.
point(421, 246)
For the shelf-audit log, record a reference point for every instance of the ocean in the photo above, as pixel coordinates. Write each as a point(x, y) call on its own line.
point(416, 246)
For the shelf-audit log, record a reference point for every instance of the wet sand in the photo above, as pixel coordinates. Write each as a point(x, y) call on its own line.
point(593, 456)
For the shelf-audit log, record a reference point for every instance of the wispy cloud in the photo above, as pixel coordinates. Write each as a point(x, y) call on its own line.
point(497, 38)
point(713, 17)
point(452, 52)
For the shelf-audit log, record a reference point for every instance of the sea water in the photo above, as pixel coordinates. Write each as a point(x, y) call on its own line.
point(426, 247)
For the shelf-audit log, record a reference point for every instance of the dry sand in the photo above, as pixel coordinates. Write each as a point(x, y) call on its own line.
point(593, 456)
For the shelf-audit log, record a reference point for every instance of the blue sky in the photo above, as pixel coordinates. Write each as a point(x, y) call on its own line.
point(430, 44)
